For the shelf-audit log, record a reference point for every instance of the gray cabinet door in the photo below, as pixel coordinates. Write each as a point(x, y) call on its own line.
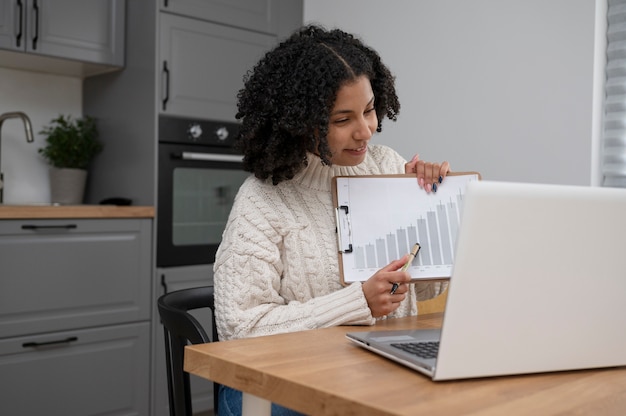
point(83, 30)
point(203, 64)
point(64, 274)
point(99, 371)
point(257, 15)
point(12, 25)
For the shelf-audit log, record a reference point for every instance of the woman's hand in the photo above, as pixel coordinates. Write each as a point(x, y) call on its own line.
point(377, 289)
point(429, 175)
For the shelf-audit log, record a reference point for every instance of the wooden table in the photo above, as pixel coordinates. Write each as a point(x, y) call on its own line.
point(320, 372)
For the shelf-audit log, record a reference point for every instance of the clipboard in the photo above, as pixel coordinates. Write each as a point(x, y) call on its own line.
point(380, 217)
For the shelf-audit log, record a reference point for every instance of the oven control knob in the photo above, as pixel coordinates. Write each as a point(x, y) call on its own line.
point(194, 131)
point(222, 133)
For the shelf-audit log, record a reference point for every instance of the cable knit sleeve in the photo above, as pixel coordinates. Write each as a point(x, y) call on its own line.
point(268, 280)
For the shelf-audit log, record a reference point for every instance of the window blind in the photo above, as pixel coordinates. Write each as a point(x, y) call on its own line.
point(614, 135)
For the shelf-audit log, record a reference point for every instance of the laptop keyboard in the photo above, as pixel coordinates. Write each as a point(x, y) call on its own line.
point(421, 349)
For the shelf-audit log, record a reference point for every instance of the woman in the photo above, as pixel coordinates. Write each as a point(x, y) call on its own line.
point(309, 109)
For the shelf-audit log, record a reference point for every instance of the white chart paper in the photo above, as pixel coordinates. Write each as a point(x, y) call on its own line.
point(381, 218)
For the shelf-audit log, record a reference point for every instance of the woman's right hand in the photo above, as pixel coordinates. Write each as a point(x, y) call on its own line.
point(377, 289)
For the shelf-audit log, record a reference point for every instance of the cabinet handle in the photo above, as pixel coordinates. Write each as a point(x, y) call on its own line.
point(48, 227)
point(207, 157)
point(43, 344)
point(163, 283)
point(166, 75)
point(18, 36)
point(36, 36)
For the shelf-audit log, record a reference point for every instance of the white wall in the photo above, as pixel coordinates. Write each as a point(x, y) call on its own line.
point(42, 97)
point(505, 87)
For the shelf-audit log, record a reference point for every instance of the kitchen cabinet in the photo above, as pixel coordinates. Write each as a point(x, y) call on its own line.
point(255, 15)
point(203, 65)
point(97, 371)
point(86, 31)
point(75, 316)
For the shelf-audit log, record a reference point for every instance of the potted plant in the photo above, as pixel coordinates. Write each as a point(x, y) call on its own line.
point(71, 145)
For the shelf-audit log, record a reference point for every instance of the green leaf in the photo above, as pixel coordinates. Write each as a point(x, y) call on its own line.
point(71, 143)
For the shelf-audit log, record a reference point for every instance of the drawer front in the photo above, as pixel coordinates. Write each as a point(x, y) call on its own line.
point(65, 274)
point(103, 371)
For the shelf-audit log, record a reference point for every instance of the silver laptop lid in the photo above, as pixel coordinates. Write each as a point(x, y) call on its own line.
point(539, 281)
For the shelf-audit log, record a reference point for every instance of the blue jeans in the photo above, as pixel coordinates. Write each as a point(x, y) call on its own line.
point(230, 404)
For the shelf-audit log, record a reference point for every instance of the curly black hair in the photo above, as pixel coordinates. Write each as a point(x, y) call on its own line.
point(288, 95)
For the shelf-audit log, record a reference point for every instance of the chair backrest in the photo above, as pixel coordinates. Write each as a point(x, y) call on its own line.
point(182, 329)
point(434, 305)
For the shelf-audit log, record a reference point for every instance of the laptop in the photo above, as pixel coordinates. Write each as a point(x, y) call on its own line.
point(538, 285)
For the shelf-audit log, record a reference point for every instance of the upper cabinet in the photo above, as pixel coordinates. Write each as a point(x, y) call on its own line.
point(89, 32)
point(207, 46)
point(203, 64)
point(256, 15)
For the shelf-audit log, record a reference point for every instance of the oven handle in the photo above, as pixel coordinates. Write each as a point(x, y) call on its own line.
point(209, 157)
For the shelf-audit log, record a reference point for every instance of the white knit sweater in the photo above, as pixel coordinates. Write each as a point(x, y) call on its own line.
point(277, 270)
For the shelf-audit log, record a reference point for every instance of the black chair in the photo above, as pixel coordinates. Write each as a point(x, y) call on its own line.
point(182, 329)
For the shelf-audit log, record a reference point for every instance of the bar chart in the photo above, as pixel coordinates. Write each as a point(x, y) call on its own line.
point(384, 228)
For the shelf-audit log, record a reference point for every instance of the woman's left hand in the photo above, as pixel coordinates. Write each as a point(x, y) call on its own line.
point(429, 175)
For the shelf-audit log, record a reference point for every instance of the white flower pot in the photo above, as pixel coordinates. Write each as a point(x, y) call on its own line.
point(67, 186)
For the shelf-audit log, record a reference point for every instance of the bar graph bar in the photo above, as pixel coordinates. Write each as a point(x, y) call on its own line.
point(436, 232)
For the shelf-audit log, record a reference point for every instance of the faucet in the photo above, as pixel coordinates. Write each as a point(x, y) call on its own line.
point(29, 138)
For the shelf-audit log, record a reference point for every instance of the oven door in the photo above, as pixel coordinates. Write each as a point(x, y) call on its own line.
point(197, 187)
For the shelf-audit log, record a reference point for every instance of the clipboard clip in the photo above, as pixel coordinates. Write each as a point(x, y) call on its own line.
point(344, 229)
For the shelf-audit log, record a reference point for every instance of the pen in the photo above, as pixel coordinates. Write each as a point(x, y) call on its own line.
point(412, 254)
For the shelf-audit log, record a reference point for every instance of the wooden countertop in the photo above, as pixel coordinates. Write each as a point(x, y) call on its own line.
point(9, 212)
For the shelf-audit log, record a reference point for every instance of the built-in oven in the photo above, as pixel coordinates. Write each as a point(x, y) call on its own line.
point(199, 174)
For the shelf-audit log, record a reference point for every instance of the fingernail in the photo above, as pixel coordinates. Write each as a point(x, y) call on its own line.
point(428, 187)
point(434, 187)
point(415, 157)
point(420, 181)
point(440, 178)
